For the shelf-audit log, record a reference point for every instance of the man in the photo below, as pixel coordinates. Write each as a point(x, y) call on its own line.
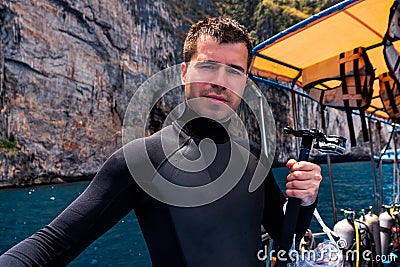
point(224, 232)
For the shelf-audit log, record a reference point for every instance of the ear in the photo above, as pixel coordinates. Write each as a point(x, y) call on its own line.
point(183, 72)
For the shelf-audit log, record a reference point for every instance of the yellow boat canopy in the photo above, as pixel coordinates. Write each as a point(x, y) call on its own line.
point(297, 56)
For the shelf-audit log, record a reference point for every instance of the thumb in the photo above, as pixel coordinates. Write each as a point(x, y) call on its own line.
point(290, 163)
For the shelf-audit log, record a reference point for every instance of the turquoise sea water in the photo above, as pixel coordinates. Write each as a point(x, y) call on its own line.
point(23, 211)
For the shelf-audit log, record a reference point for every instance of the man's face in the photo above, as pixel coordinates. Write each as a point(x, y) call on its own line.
point(215, 78)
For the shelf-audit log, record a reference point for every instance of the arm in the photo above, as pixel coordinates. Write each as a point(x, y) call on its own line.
point(107, 199)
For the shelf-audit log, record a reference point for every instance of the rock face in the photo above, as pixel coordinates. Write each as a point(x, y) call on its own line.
point(68, 70)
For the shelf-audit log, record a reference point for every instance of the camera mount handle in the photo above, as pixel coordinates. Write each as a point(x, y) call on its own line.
point(326, 144)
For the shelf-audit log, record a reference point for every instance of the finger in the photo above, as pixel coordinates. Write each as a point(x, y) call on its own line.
point(298, 193)
point(303, 185)
point(304, 166)
point(304, 176)
point(298, 185)
point(301, 193)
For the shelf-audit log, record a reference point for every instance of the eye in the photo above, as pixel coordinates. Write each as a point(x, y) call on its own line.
point(207, 65)
point(234, 71)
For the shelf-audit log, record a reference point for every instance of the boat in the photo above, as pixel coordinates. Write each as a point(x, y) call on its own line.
point(387, 156)
point(345, 57)
point(333, 72)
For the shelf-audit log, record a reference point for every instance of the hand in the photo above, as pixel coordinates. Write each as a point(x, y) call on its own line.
point(303, 181)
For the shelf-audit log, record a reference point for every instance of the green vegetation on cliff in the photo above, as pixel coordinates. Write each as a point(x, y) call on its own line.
point(266, 18)
point(6, 145)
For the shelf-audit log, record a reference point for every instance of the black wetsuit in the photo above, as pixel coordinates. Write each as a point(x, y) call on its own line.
point(225, 232)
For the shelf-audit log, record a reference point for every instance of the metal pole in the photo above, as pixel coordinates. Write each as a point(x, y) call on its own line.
point(371, 148)
point(328, 160)
point(378, 128)
point(395, 167)
point(295, 120)
point(329, 163)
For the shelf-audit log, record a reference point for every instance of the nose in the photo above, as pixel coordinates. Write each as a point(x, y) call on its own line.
point(220, 79)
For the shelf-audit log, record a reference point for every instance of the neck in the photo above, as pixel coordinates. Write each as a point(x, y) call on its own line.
point(200, 127)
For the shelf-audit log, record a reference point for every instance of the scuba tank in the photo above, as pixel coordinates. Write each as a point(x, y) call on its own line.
point(372, 222)
point(395, 231)
point(385, 223)
point(345, 230)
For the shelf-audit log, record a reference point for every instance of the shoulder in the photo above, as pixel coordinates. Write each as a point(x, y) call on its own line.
point(127, 161)
point(134, 150)
point(154, 148)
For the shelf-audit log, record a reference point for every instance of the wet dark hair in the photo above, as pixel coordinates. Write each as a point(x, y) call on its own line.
point(223, 29)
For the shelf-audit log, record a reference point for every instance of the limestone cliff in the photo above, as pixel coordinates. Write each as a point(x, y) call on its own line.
point(68, 70)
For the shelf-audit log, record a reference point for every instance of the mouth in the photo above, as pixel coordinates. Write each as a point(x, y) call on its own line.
point(217, 98)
